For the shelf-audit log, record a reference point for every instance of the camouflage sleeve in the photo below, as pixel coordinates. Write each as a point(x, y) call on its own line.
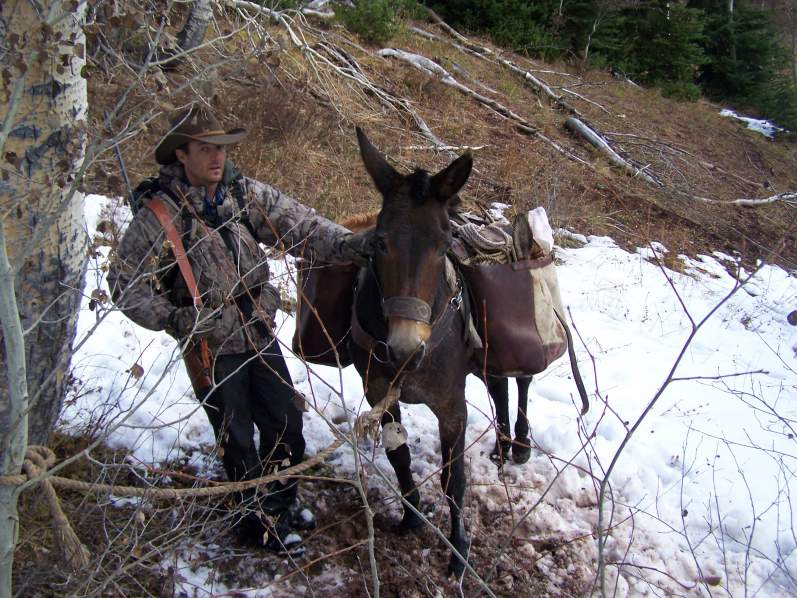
point(280, 220)
point(135, 274)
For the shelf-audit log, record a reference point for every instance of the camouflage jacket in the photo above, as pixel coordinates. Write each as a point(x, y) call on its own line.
point(227, 261)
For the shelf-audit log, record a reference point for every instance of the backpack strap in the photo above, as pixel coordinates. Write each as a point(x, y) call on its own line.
point(238, 192)
point(161, 212)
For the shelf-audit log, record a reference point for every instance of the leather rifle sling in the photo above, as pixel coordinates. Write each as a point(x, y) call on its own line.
point(164, 217)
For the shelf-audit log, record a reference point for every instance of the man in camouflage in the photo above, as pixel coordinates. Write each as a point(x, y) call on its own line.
point(222, 218)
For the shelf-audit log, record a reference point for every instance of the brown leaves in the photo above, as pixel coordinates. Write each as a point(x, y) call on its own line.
point(106, 227)
point(136, 371)
point(98, 297)
point(12, 159)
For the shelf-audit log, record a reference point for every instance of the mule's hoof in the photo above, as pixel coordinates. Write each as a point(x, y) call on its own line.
point(521, 450)
point(456, 566)
point(500, 454)
point(411, 522)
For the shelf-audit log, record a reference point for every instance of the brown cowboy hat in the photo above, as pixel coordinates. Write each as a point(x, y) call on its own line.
point(197, 124)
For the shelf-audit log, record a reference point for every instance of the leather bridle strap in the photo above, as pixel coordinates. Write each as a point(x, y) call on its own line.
point(409, 308)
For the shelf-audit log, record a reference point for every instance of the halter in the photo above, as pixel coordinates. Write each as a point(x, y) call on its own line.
point(410, 308)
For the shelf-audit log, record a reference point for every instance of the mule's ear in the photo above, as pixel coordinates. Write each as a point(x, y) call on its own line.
point(447, 183)
point(381, 172)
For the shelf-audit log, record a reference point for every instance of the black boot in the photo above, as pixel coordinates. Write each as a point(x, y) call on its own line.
point(301, 517)
point(282, 539)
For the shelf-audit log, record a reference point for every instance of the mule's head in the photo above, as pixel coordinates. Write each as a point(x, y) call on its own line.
point(412, 235)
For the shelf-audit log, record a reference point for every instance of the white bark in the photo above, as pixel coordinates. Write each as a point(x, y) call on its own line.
point(13, 407)
point(42, 244)
point(599, 143)
point(789, 197)
point(196, 25)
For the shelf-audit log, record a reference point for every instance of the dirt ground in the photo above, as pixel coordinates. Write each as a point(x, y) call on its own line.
point(301, 121)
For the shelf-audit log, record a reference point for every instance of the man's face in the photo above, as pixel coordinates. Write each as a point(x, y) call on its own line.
point(203, 163)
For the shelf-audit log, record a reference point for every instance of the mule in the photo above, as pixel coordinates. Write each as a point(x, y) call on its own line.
point(406, 323)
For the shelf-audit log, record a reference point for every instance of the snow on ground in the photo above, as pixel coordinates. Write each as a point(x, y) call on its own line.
point(702, 491)
point(765, 127)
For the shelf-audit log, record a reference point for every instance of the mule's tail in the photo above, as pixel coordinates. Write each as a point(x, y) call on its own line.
point(582, 391)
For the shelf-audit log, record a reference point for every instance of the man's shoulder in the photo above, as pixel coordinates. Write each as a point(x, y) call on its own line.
point(257, 188)
point(149, 189)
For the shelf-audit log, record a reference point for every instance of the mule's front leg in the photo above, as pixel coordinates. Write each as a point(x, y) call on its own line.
point(400, 460)
point(452, 442)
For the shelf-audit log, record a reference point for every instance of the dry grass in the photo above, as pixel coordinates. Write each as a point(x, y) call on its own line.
point(307, 149)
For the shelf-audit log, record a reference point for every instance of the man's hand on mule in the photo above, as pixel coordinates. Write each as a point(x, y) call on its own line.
point(358, 247)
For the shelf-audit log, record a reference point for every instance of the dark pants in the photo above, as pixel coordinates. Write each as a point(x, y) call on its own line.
point(255, 389)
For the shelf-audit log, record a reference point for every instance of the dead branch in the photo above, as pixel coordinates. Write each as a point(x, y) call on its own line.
point(453, 148)
point(596, 140)
point(787, 197)
point(585, 99)
point(483, 53)
point(432, 68)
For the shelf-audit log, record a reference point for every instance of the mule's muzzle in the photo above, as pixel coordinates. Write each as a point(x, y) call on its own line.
point(408, 319)
point(406, 343)
point(404, 361)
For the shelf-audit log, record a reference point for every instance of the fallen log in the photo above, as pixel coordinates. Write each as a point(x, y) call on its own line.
point(430, 67)
point(576, 126)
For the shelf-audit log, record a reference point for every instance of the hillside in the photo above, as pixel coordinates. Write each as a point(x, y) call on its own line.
point(300, 84)
point(301, 106)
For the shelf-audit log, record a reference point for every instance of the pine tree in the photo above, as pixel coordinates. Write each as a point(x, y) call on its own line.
point(656, 42)
point(516, 24)
point(745, 60)
point(742, 50)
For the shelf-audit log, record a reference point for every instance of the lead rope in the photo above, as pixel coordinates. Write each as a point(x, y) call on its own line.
point(39, 459)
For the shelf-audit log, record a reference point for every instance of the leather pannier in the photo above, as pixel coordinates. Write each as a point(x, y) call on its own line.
point(514, 311)
point(324, 295)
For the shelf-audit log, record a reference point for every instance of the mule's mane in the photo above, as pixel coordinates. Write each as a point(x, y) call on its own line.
point(419, 185)
point(360, 222)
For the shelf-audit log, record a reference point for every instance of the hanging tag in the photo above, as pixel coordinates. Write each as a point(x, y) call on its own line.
point(394, 434)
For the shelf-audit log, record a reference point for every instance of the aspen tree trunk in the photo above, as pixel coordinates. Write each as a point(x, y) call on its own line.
point(193, 33)
point(43, 107)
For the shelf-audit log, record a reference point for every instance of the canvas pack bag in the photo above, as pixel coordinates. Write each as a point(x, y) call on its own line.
point(517, 307)
point(324, 296)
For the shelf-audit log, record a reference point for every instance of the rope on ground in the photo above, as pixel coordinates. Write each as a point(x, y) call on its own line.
point(39, 459)
point(166, 493)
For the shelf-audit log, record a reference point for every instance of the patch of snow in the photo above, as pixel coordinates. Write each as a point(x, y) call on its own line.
point(765, 127)
point(701, 489)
